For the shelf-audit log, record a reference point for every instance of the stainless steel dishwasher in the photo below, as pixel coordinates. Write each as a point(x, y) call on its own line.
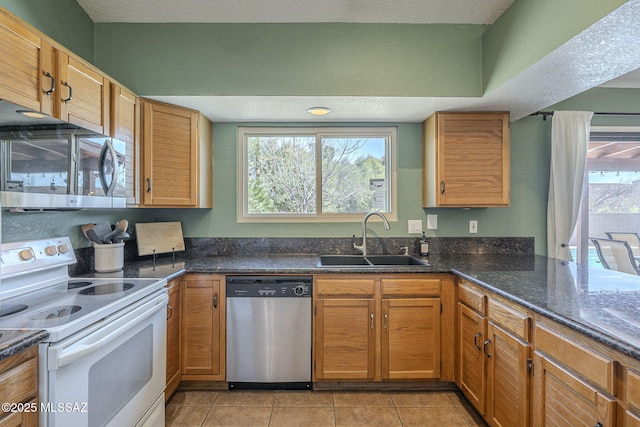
point(269, 332)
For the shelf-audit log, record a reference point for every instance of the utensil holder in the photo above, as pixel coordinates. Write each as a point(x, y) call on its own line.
point(108, 257)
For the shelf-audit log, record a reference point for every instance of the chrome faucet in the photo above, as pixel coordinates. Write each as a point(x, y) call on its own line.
point(363, 248)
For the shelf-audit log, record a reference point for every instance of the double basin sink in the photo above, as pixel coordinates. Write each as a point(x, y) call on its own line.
point(369, 261)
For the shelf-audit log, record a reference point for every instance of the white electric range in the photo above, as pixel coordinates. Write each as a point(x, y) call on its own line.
point(105, 352)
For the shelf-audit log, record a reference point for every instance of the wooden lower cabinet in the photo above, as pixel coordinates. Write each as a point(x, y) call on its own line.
point(508, 378)
point(173, 338)
point(472, 330)
point(377, 328)
point(344, 344)
point(19, 384)
point(203, 327)
point(494, 358)
point(410, 338)
point(562, 398)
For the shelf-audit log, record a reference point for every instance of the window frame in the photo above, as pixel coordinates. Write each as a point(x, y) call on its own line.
point(390, 133)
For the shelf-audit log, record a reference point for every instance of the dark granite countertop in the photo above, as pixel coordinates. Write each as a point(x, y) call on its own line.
point(602, 304)
point(12, 342)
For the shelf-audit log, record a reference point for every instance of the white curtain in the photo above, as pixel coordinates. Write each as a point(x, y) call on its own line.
point(569, 144)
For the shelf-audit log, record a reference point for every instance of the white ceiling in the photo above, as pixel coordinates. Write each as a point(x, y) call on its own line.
point(596, 57)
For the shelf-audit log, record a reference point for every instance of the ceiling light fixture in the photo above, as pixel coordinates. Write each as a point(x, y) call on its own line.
point(319, 111)
point(32, 114)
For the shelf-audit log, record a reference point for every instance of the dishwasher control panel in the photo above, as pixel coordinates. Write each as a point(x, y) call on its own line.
point(268, 286)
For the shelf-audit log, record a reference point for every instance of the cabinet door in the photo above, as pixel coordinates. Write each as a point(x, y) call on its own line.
point(173, 338)
point(472, 334)
point(125, 127)
point(631, 419)
point(26, 67)
point(507, 379)
point(344, 339)
point(170, 150)
point(563, 399)
point(203, 328)
point(21, 419)
point(83, 94)
point(411, 338)
point(470, 155)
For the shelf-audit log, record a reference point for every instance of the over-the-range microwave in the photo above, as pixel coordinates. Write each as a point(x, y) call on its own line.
point(49, 164)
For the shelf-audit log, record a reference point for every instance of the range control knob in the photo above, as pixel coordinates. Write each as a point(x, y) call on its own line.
point(63, 248)
point(299, 290)
point(51, 250)
point(26, 254)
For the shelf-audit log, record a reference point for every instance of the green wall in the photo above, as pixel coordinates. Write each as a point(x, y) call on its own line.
point(293, 59)
point(62, 20)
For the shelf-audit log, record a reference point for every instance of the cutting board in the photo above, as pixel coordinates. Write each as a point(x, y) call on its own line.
point(163, 237)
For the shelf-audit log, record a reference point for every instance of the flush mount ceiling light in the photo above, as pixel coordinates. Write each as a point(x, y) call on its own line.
point(30, 113)
point(319, 111)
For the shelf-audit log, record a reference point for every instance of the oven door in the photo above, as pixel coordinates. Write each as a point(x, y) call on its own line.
point(110, 374)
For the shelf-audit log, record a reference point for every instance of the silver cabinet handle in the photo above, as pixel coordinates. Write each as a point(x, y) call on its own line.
point(53, 84)
point(372, 325)
point(215, 300)
point(70, 92)
point(441, 187)
point(386, 319)
point(475, 340)
point(170, 312)
point(486, 343)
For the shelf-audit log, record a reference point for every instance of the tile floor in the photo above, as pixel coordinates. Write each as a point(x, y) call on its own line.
point(319, 408)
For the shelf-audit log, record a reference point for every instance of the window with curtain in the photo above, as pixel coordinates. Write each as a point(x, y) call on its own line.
point(611, 195)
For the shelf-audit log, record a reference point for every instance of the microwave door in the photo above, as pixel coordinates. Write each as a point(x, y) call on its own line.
point(38, 165)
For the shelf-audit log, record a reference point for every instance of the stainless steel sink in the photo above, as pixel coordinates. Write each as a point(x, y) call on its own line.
point(369, 261)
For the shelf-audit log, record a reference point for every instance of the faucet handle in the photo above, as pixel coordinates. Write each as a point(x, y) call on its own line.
point(404, 250)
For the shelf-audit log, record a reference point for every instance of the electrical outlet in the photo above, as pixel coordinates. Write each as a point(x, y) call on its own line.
point(415, 226)
point(473, 226)
point(432, 222)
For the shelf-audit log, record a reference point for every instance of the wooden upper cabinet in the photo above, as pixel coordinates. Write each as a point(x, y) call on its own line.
point(27, 67)
point(41, 75)
point(125, 127)
point(83, 94)
point(466, 160)
point(176, 153)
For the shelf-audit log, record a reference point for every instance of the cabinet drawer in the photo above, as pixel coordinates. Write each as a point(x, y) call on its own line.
point(633, 389)
point(472, 298)
point(344, 286)
point(514, 321)
point(19, 383)
point(596, 368)
point(418, 287)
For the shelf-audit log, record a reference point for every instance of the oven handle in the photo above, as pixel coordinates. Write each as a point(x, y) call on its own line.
point(65, 355)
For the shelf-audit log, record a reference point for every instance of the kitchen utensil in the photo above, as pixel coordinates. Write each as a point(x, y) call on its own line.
point(123, 224)
point(85, 228)
point(108, 238)
point(91, 235)
point(102, 229)
point(120, 236)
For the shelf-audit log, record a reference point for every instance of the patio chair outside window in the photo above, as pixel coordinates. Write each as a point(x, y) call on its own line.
point(631, 238)
point(616, 255)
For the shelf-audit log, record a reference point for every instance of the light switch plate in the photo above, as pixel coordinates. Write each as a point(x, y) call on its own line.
point(473, 226)
point(415, 226)
point(432, 222)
